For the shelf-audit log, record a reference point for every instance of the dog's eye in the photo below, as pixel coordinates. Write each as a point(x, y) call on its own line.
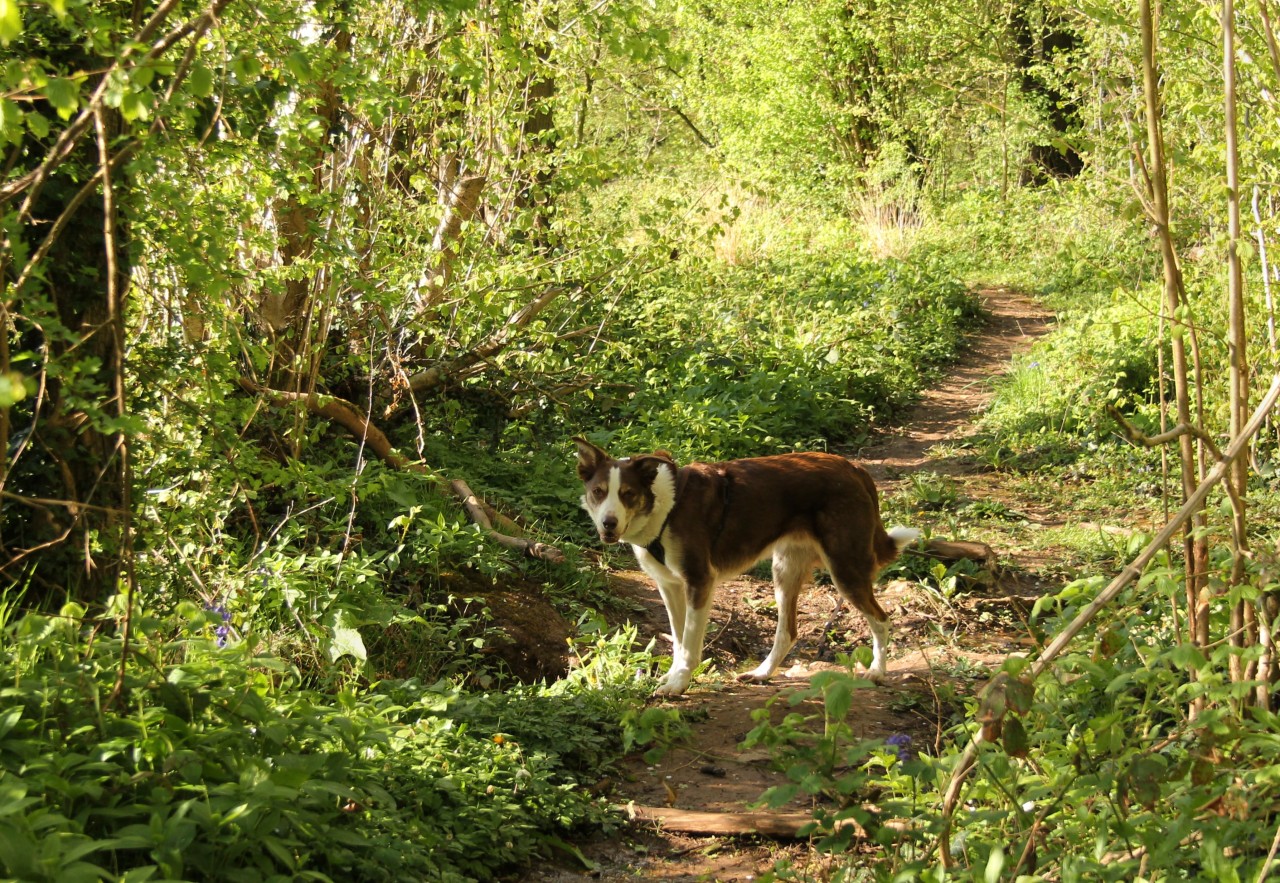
point(599, 493)
point(627, 497)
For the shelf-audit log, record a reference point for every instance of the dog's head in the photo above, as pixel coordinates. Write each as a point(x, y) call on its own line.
point(628, 499)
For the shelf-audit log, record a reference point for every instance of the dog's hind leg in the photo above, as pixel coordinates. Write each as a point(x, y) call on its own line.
point(853, 576)
point(792, 567)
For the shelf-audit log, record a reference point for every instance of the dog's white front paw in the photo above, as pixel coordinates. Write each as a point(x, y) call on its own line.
point(876, 674)
point(676, 683)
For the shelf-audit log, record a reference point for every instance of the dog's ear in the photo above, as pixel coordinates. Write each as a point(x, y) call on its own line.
point(648, 465)
point(589, 457)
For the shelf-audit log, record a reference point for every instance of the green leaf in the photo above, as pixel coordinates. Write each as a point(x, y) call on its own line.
point(1020, 694)
point(62, 94)
point(135, 106)
point(1015, 737)
point(13, 388)
point(995, 864)
point(38, 123)
point(10, 21)
point(201, 81)
point(11, 117)
point(9, 719)
point(839, 700)
point(297, 64)
point(346, 641)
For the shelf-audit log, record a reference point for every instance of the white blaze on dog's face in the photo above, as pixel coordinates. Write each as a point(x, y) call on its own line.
point(627, 499)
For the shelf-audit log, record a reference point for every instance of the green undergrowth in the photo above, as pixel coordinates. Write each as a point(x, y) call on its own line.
point(1097, 771)
point(315, 683)
point(193, 761)
point(781, 355)
point(714, 361)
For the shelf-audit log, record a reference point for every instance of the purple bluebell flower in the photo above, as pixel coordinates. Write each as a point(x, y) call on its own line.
point(223, 631)
point(902, 742)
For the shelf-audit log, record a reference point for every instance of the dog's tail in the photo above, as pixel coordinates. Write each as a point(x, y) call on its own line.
point(893, 541)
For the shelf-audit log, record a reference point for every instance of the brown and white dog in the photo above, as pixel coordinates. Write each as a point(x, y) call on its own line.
point(693, 527)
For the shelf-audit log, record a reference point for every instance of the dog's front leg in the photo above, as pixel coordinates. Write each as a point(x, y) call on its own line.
point(688, 656)
point(675, 599)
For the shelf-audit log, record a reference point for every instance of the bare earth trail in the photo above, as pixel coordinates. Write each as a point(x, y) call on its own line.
point(932, 643)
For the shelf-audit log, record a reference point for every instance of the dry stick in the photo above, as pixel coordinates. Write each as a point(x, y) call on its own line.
point(785, 825)
point(1266, 273)
point(1271, 856)
point(347, 416)
point(1136, 436)
point(1126, 576)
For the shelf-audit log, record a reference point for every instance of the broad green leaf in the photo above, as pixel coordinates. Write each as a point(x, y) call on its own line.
point(62, 94)
point(10, 21)
point(38, 123)
point(1020, 694)
point(8, 719)
point(995, 864)
point(346, 641)
point(201, 81)
point(839, 699)
point(298, 65)
point(13, 388)
point(1015, 737)
point(135, 106)
point(11, 117)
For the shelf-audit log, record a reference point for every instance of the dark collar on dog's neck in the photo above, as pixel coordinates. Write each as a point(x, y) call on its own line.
point(655, 548)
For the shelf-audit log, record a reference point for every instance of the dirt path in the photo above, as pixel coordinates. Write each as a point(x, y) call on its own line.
point(710, 772)
point(945, 413)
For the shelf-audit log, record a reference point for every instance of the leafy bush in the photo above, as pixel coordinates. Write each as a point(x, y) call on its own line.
point(1103, 751)
point(180, 759)
point(780, 356)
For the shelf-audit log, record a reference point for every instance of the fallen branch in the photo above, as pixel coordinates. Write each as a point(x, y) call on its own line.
point(1131, 572)
point(786, 825)
point(348, 416)
point(957, 550)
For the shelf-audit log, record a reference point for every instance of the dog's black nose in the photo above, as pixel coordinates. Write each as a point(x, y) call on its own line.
point(609, 523)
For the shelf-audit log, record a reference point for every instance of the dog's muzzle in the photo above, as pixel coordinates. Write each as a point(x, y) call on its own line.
point(608, 530)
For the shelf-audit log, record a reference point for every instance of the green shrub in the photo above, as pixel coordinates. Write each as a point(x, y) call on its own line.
point(187, 760)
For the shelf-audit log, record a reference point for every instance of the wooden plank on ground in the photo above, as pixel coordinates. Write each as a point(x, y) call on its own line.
point(783, 825)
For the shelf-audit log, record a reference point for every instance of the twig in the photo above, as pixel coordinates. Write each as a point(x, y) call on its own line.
point(1271, 855)
point(1138, 437)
